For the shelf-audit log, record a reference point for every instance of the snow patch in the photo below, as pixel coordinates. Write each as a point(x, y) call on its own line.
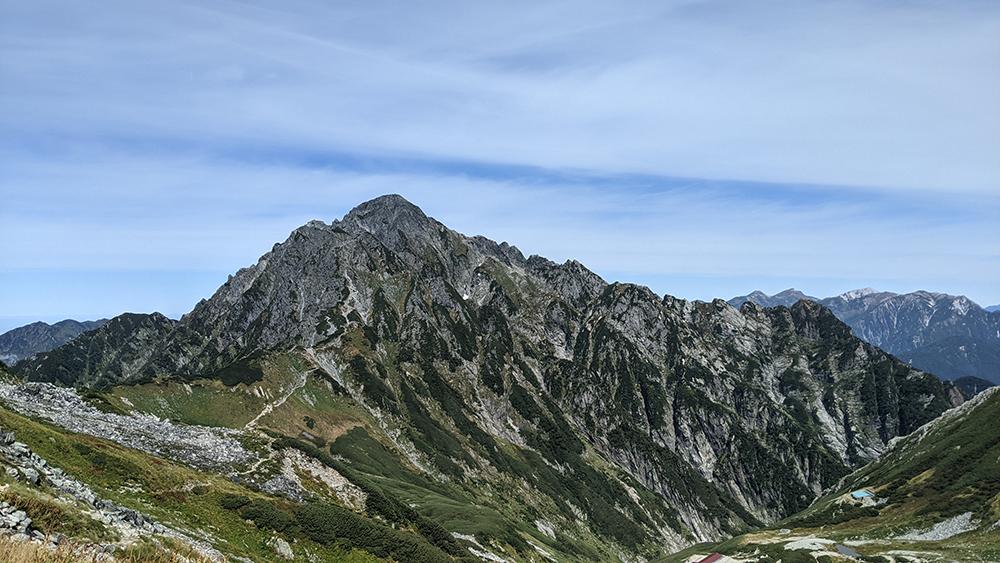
point(857, 294)
point(812, 544)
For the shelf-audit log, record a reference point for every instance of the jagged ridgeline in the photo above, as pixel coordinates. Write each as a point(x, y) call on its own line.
point(596, 418)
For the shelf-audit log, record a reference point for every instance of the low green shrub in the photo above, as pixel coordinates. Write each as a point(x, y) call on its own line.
point(266, 515)
point(330, 525)
point(234, 502)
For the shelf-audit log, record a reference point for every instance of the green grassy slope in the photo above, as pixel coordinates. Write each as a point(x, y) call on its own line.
point(506, 512)
point(194, 502)
point(935, 479)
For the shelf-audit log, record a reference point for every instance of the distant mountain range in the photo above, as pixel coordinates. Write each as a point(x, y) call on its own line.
point(948, 335)
point(25, 341)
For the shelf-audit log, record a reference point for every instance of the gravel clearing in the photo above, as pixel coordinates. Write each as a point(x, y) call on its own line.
point(206, 448)
point(942, 530)
point(812, 544)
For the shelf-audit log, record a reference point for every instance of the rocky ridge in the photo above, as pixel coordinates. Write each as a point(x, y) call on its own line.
point(948, 335)
point(23, 342)
point(212, 449)
point(114, 352)
point(22, 463)
point(460, 348)
point(958, 357)
point(897, 323)
point(206, 448)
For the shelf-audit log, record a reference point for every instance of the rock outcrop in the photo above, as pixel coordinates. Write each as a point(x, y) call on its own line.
point(947, 335)
point(22, 463)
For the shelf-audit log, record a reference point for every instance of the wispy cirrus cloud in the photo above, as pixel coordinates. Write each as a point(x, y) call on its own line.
point(856, 93)
point(698, 146)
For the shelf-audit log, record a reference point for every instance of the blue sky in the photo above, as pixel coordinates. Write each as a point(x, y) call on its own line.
point(705, 149)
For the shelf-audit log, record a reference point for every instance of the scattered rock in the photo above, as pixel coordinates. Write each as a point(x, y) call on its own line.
point(202, 447)
point(282, 548)
point(30, 475)
point(17, 524)
point(942, 530)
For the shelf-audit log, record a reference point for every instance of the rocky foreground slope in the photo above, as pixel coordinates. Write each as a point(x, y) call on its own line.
point(600, 412)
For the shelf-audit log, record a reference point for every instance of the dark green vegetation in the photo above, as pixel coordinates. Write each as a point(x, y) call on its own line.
point(524, 403)
point(972, 385)
point(379, 502)
point(334, 525)
point(94, 359)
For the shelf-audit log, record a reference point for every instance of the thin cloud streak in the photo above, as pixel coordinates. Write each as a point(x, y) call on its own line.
point(669, 226)
point(829, 93)
point(696, 145)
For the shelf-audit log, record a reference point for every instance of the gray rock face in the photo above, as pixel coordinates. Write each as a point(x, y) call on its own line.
point(460, 346)
point(897, 323)
point(282, 549)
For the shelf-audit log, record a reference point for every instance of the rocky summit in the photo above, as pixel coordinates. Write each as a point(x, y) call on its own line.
point(593, 420)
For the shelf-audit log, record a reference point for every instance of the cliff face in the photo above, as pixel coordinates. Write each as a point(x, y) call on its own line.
point(545, 385)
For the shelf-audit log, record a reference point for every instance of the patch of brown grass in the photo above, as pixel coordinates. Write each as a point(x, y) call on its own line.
point(46, 516)
point(29, 552)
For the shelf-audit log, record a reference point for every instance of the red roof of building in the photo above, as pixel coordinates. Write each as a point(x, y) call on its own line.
point(711, 558)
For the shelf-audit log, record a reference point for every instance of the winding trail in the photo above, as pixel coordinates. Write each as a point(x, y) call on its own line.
point(299, 383)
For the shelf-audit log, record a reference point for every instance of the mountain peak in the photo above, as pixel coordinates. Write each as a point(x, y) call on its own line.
point(385, 217)
point(390, 207)
point(857, 293)
point(787, 298)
